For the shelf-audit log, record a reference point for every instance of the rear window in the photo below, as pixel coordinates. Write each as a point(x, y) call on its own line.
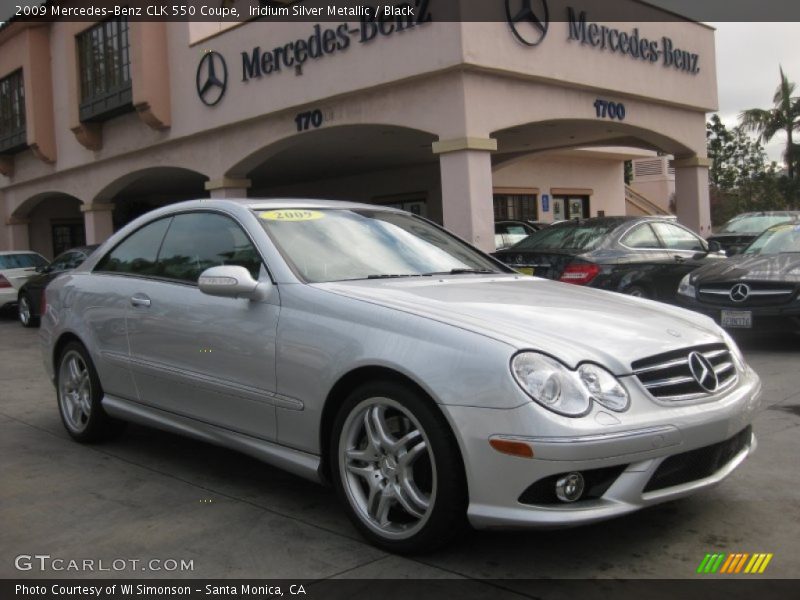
point(566, 237)
point(754, 223)
point(21, 261)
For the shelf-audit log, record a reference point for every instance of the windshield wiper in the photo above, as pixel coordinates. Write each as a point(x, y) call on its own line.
point(392, 275)
point(463, 272)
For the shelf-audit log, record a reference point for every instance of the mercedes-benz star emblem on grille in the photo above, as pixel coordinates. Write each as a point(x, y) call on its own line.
point(212, 78)
point(739, 292)
point(529, 20)
point(703, 372)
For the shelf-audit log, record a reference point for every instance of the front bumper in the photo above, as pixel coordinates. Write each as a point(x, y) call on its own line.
point(765, 318)
point(497, 482)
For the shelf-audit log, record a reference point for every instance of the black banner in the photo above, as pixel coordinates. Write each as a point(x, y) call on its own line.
point(444, 10)
point(715, 588)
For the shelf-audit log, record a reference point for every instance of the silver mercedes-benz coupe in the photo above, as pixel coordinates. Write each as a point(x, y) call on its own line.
point(369, 348)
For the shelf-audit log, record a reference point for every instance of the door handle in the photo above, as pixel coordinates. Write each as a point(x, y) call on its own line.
point(680, 259)
point(140, 300)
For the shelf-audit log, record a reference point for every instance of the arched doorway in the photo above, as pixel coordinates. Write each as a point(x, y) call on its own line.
point(382, 164)
point(54, 222)
point(137, 193)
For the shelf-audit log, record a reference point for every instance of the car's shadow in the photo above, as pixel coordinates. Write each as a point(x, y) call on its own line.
point(625, 547)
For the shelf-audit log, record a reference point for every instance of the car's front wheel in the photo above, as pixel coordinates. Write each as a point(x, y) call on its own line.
point(397, 468)
point(25, 308)
point(80, 395)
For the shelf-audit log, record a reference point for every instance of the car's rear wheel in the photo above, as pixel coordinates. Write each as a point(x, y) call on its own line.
point(637, 292)
point(80, 395)
point(25, 308)
point(397, 468)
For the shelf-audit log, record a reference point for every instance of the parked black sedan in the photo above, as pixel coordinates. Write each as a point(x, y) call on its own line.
point(30, 294)
point(742, 229)
point(640, 256)
point(758, 288)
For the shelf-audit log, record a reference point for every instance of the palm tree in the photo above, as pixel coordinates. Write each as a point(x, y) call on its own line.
point(785, 116)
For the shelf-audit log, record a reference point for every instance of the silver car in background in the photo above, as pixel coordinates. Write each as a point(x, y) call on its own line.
point(367, 347)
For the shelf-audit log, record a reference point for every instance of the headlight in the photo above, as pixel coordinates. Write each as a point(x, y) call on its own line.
point(603, 387)
point(736, 352)
point(685, 288)
point(567, 392)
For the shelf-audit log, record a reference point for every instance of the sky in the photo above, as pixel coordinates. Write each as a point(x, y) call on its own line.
point(748, 58)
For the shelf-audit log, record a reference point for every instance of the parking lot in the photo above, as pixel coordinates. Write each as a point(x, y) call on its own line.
point(156, 495)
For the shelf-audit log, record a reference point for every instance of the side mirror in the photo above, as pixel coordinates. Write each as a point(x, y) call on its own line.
point(714, 246)
point(229, 281)
point(43, 269)
point(733, 251)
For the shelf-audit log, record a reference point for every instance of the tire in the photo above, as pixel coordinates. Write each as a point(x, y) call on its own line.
point(402, 480)
point(79, 397)
point(637, 292)
point(25, 312)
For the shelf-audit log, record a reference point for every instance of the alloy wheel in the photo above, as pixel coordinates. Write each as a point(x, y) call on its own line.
point(387, 468)
point(75, 391)
point(24, 311)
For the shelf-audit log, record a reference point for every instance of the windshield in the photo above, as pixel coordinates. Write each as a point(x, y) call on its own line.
point(21, 261)
point(566, 237)
point(775, 241)
point(337, 245)
point(753, 223)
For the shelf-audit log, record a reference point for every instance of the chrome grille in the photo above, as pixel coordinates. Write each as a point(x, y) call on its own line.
point(758, 293)
point(669, 376)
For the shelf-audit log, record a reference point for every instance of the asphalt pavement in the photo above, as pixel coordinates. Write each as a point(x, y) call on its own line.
point(152, 494)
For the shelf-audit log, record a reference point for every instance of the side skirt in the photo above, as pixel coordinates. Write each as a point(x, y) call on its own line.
point(294, 461)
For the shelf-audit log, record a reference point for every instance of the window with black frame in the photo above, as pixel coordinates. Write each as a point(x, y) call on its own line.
point(12, 113)
point(105, 74)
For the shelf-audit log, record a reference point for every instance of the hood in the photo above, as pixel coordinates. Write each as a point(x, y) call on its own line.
point(572, 323)
point(773, 267)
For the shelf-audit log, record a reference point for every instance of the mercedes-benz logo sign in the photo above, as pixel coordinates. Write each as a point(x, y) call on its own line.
point(212, 78)
point(529, 20)
point(739, 292)
point(703, 372)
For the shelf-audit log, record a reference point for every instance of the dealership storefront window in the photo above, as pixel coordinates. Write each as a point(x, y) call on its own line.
point(105, 74)
point(515, 207)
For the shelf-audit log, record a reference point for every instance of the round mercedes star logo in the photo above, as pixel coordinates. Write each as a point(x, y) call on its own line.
point(739, 292)
point(529, 20)
point(212, 78)
point(703, 372)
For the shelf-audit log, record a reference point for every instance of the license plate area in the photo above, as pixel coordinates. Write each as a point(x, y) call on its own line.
point(525, 270)
point(738, 319)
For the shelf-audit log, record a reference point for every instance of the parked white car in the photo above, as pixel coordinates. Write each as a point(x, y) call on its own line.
point(16, 267)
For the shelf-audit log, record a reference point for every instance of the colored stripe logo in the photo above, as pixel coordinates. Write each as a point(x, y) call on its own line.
point(734, 563)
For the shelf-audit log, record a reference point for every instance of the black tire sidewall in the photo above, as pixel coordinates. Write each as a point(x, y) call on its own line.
point(449, 512)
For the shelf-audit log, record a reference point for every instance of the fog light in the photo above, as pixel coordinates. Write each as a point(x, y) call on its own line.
point(569, 487)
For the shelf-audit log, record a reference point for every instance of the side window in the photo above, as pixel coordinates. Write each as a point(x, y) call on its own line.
point(678, 238)
point(641, 237)
point(197, 241)
point(63, 262)
point(137, 253)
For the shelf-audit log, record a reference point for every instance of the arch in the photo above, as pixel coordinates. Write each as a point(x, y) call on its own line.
point(561, 134)
point(135, 193)
point(356, 147)
point(29, 205)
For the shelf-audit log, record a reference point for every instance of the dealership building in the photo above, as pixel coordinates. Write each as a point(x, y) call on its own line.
point(521, 116)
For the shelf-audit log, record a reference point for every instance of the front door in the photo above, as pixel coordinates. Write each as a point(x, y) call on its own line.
point(205, 357)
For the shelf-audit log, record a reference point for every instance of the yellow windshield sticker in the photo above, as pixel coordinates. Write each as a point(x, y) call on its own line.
point(291, 214)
